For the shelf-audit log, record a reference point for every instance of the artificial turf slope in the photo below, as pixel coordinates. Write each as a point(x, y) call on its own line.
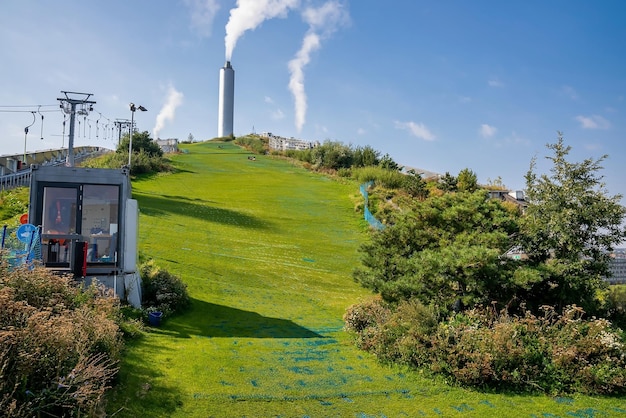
point(267, 250)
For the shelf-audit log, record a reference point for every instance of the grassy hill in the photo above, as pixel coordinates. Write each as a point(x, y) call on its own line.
point(267, 250)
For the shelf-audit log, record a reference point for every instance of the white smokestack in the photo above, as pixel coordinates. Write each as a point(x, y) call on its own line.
point(226, 105)
point(168, 111)
point(249, 14)
point(325, 20)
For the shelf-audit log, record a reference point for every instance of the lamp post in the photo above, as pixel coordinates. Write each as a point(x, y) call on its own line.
point(25, 135)
point(132, 121)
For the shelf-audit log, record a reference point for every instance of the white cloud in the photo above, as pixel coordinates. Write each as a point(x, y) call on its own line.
point(569, 92)
point(418, 130)
point(593, 122)
point(361, 131)
point(494, 82)
point(465, 99)
point(269, 100)
point(278, 114)
point(202, 15)
point(487, 131)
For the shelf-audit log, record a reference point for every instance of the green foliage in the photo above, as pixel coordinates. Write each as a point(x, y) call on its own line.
point(552, 353)
point(147, 156)
point(614, 305)
point(334, 155)
point(467, 181)
point(60, 344)
point(444, 252)
point(448, 183)
point(382, 177)
point(162, 291)
point(415, 186)
point(13, 202)
point(387, 162)
point(365, 156)
point(141, 142)
point(253, 143)
point(570, 224)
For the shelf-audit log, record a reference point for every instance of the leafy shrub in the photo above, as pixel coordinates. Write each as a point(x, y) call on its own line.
point(13, 202)
point(479, 347)
point(614, 305)
point(367, 314)
point(59, 344)
point(161, 290)
point(253, 143)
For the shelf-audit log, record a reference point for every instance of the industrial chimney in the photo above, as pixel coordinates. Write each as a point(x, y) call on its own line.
point(226, 101)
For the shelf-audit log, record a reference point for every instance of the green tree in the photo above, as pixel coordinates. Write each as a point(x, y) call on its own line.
point(365, 156)
point(447, 250)
point(387, 162)
point(467, 181)
point(448, 183)
point(141, 142)
point(415, 185)
point(571, 223)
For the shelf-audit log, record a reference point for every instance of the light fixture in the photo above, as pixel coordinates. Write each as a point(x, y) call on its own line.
point(133, 108)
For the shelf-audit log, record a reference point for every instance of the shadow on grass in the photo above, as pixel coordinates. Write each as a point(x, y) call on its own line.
point(138, 390)
point(212, 320)
point(159, 205)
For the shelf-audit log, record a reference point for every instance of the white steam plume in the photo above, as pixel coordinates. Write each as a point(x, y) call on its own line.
point(202, 15)
point(174, 99)
point(249, 14)
point(322, 22)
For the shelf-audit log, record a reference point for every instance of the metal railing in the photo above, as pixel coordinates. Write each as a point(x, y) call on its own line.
point(14, 180)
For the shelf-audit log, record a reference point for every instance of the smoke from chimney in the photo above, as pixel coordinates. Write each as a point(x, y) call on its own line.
point(249, 14)
point(325, 20)
point(168, 111)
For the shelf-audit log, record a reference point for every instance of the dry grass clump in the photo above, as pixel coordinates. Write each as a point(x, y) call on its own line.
point(553, 353)
point(59, 344)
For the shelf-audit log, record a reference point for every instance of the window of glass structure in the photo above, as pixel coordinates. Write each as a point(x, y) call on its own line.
point(59, 205)
point(58, 223)
point(100, 220)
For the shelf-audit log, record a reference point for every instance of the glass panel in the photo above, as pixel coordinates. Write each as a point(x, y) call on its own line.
point(59, 216)
point(100, 221)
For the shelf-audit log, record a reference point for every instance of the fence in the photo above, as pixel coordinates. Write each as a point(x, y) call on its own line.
point(19, 179)
point(374, 223)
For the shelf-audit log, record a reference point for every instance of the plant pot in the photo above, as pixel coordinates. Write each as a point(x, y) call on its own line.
point(154, 318)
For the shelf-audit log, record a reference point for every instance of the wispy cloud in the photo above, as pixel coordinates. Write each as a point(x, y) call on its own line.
point(278, 114)
point(202, 15)
point(487, 131)
point(361, 131)
point(494, 82)
point(593, 122)
point(418, 130)
point(465, 99)
point(569, 91)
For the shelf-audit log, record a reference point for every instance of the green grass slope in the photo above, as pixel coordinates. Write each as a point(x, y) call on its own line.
point(267, 250)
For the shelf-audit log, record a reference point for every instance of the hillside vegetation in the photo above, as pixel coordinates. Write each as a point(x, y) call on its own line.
point(267, 250)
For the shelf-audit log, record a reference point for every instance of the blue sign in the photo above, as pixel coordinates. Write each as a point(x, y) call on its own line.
point(25, 232)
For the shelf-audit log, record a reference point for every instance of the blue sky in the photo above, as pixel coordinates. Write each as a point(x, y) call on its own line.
point(440, 85)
